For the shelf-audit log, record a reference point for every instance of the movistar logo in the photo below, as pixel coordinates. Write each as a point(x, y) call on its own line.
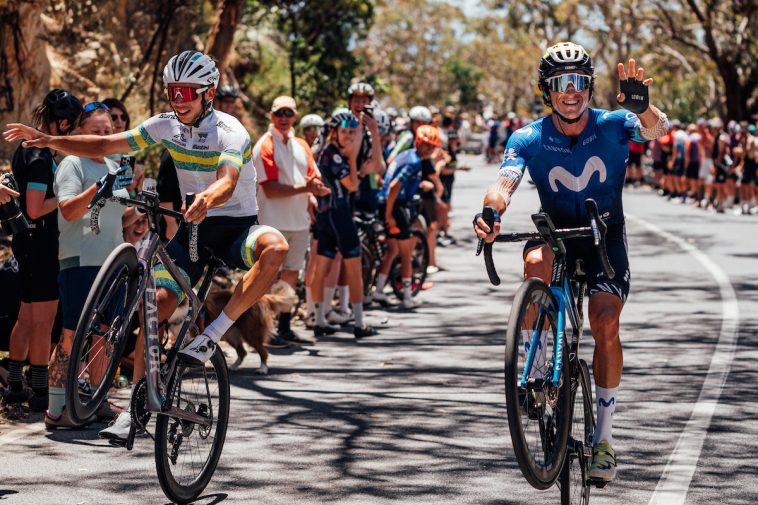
point(603, 403)
point(573, 183)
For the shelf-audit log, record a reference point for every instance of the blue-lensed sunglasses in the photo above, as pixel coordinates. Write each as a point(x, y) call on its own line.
point(560, 83)
point(349, 123)
point(95, 105)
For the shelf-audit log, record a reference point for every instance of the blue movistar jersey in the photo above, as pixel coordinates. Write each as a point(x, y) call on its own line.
point(407, 169)
point(568, 170)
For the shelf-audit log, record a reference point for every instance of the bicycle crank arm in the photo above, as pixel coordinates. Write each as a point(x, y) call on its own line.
point(187, 416)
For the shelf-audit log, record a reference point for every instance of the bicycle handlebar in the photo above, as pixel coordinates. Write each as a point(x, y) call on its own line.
point(552, 237)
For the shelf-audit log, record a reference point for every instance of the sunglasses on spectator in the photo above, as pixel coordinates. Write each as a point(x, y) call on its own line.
point(186, 93)
point(560, 83)
point(284, 113)
point(116, 117)
point(95, 105)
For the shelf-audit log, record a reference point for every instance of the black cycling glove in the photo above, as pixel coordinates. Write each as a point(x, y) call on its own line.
point(636, 98)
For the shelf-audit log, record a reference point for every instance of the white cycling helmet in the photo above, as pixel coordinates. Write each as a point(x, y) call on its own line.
point(340, 110)
point(311, 120)
point(421, 114)
point(382, 120)
point(191, 67)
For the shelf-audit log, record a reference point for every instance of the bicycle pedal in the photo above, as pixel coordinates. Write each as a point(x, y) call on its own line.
point(533, 384)
point(117, 443)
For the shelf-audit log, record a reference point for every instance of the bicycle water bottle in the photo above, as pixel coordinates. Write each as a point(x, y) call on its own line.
point(120, 381)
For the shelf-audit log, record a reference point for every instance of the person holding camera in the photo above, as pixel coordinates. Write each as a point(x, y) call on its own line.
point(35, 248)
point(81, 252)
point(6, 194)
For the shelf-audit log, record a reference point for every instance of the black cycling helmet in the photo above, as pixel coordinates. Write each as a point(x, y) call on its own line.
point(560, 57)
point(61, 104)
point(227, 91)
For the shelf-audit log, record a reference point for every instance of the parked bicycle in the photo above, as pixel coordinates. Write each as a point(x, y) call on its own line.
point(191, 402)
point(552, 438)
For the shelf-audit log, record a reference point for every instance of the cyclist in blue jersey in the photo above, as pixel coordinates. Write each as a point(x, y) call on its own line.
point(576, 153)
point(401, 182)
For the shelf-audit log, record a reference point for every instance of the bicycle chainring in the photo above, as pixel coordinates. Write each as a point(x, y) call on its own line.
point(140, 414)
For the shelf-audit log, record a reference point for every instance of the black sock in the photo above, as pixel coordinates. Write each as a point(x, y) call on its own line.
point(15, 375)
point(39, 380)
point(284, 322)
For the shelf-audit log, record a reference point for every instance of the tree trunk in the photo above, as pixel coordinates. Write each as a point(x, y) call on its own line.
point(24, 66)
point(221, 33)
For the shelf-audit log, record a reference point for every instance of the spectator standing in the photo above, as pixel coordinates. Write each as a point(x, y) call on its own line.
point(287, 173)
point(36, 250)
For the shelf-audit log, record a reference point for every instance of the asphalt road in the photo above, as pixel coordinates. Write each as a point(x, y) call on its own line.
point(417, 414)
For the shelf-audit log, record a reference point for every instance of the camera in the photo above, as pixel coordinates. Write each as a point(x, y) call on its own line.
point(11, 219)
point(368, 110)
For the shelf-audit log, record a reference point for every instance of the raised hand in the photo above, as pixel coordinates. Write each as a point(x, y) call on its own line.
point(31, 136)
point(633, 94)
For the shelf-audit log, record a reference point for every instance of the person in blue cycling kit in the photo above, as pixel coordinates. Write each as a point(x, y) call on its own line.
point(573, 154)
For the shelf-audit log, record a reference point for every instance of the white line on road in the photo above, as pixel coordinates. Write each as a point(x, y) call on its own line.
point(675, 481)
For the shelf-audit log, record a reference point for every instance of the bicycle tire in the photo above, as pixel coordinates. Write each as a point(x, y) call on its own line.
point(420, 262)
point(168, 439)
point(574, 481)
point(121, 268)
point(540, 459)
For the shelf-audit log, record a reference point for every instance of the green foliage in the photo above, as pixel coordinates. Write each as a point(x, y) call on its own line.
point(465, 78)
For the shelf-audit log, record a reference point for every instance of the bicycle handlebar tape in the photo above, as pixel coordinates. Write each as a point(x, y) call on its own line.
point(192, 228)
point(94, 216)
point(598, 234)
point(488, 216)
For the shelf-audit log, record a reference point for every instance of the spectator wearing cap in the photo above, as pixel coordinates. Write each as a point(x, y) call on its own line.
point(36, 251)
point(287, 173)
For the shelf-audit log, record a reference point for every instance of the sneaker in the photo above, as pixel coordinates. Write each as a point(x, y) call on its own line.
point(15, 397)
point(603, 462)
point(431, 270)
point(294, 338)
point(277, 342)
point(410, 303)
point(118, 431)
point(320, 331)
point(199, 350)
point(339, 317)
point(381, 297)
point(310, 321)
point(366, 331)
point(39, 403)
point(65, 421)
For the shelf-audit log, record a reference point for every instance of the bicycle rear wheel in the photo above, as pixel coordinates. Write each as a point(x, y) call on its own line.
point(574, 483)
point(419, 261)
point(101, 333)
point(186, 453)
point(538, 414)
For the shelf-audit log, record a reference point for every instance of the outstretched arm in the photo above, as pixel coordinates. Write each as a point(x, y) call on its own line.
point(89, 146)
point(634, 96)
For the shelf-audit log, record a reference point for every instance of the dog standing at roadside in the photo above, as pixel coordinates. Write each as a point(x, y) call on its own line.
point(254, 327)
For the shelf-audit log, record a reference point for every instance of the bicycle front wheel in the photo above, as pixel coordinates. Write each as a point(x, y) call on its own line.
point(538, 413)
point(186, 453)
point(574, 482)
point(419, 262)
point(101, 333)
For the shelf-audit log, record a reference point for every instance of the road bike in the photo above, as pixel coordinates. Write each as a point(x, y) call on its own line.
point(548, 389)
point(190, 401)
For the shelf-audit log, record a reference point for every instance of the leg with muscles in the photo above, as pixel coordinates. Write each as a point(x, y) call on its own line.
point(405, 247)
point(607, 363)
point(352, 268)
point(384, 270)
point(323, 264)
point(538, 262)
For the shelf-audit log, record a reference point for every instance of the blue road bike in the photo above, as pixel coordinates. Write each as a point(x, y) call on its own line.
point(548, 389)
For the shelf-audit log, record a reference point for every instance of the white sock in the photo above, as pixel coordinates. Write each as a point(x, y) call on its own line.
point(606, 406)
point(344, 299)
point(320, 319)
point(310, 309)
point(358, 313)
point(381, 280)
point(407, 291)
point(540, 356)
point(218, 327)
point(328, 297)
point(56, 400)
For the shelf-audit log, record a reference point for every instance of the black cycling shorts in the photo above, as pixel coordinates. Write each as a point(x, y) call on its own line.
point(37, 254)
point(429, 210)
point(404, 218)
point(635, 159)
point(75, 284)
point(229, 239)
point(693, 170)
point(447, 183)
point(597, 281)
point(336, 231)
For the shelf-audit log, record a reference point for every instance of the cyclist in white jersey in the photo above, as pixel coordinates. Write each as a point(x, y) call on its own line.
point(212, 154)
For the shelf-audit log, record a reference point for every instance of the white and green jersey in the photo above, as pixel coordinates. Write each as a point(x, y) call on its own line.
point(220, 139)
